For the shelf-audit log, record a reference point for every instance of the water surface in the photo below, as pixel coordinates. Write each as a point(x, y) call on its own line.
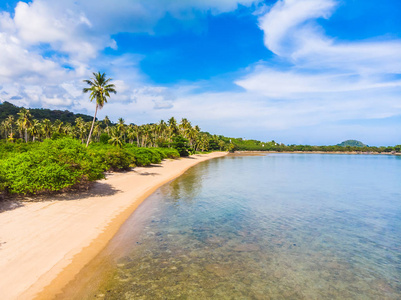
point(280, 226)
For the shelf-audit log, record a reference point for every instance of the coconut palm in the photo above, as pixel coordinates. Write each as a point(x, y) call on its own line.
point(47, 128)
point(116, 139)
point(8, 125)
point(99, 90)
point(121, 128)
point(35, 129)
point(25, 121)
point(106, 121)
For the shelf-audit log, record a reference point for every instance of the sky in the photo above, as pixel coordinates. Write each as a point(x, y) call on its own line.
point(295, 71)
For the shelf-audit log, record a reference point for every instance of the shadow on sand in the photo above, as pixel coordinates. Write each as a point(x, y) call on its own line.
point(96, 189)
point(6, 205)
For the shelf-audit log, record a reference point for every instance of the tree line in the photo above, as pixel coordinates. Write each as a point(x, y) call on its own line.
point(26, 129)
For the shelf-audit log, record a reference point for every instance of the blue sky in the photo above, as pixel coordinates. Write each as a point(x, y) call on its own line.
point(296, 71)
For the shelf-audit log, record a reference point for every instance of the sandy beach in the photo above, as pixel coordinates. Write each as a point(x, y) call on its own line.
point(43, 245)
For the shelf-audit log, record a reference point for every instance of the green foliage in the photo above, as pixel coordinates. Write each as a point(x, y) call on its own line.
point(9, 149)
point(352, 143)
point(112, 158)
point(104, 138)
point(9, 109)
point(181, 144)
point(57, 136)
point(50, 166)
point(146, 156)
point(169, 152)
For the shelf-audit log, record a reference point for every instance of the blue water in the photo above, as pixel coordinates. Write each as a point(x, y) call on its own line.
point(279, 226)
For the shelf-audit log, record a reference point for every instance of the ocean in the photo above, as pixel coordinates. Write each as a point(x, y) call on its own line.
point(277, 226)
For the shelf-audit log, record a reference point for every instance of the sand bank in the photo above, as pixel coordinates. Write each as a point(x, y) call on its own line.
point(43, 245)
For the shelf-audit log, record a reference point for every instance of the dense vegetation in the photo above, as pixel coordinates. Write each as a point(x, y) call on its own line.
point(352, 143)
point(44, 156)
point(253, 145)
point(65, 163)
point(7, 109)
point(41, 156)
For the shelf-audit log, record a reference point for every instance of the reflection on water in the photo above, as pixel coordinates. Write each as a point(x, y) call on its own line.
point(281, 226)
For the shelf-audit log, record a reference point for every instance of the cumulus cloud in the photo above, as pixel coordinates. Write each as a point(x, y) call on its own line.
point(290, 31)
point(325, 80)
point(285, 16)
point(47, 43)
point(47, 47)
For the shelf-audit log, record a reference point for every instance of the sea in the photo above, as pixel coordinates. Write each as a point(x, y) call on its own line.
point(274, 226)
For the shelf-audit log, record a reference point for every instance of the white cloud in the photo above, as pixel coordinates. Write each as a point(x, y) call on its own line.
point(290, 32)
point(326, 80)
point(279, 23)
point(47, 43)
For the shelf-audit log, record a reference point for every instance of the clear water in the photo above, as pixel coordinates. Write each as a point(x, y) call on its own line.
point(280, 226)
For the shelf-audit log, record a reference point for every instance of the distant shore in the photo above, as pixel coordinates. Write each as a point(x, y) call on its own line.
point(249, 153)
point(44, 244)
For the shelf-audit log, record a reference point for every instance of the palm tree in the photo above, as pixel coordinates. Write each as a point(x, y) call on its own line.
point(99, 89)
point(115, 138)
point(47, 128)
point(121, 127)
point(8, 125)
point(25, 121)
point(34, 130)
point(106, 121)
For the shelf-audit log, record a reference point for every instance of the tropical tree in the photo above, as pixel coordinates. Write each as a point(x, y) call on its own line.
point(99, 89)
point(116, 138)
point(106, 121)
point(47, 128)
point(25, 121)
point(35, 129)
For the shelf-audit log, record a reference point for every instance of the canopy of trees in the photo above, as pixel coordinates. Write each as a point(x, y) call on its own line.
point(40, 155)
point(352, 143)
point(8, 109)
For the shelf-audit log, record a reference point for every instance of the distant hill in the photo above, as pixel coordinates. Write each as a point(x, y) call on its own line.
point(7, 109)
point(352, 143)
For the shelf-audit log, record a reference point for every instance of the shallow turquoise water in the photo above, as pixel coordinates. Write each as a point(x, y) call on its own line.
point(280, 226)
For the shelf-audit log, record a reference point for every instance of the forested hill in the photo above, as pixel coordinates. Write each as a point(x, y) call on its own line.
point(352, 143)
point(7, 109)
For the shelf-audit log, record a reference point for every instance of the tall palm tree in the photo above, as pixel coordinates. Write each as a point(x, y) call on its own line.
point(99, 90)
point(47, 128)
point(25, 121)
point(34, 130)
point(106, 121)
point(121, 128)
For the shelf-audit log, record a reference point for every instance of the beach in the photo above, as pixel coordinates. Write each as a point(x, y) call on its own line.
point(44, 244)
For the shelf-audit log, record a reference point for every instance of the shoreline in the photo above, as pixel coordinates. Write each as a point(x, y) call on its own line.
point(258, 152)
point(43, 245)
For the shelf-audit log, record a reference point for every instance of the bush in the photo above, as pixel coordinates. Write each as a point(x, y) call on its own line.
point(57, 136)
point(104, 138)
point(51, 166)
point(145, 156)
point(113, 158)
point(170, 152)
point(181, 144)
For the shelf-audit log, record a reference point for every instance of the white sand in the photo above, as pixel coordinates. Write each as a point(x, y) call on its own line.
point(43, 245)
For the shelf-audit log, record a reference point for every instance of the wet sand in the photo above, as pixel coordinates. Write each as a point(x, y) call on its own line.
point(43, 245)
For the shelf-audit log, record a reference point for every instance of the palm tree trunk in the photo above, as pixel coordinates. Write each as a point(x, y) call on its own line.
point(93, 123)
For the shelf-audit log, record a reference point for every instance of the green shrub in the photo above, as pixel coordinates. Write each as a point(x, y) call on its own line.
point(7, 149)
point(170, 152)
point(113, 158)
point(57, 136)
point(181, 144)
point(145, 156)
point(104, 138)
point(51, 166)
